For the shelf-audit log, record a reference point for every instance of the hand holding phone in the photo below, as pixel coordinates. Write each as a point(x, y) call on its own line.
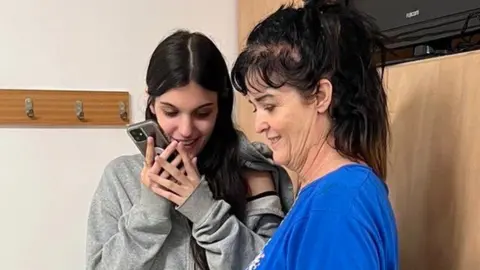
point(182, 183)
point(151, 141)
point(151, 167)
point(166, 154)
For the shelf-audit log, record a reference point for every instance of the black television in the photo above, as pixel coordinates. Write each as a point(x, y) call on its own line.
point(412, 22)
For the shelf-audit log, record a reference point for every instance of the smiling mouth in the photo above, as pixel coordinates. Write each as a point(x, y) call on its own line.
point(274, 140)
point(188, 143)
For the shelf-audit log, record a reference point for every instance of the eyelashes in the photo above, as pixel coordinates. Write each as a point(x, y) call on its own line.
point(268, 108)
point(200, 115)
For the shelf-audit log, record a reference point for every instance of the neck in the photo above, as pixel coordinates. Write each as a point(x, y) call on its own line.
point(321, 160)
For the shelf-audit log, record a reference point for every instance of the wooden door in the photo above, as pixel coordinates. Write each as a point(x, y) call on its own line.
point(434, 161)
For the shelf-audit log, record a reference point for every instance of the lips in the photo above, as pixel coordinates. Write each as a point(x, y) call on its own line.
point(273, 140)
point(188, 143)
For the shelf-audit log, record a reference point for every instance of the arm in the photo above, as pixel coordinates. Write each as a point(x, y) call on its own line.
point(263, 211)
point(129, 240)
point(229, 243)
point(331, 241)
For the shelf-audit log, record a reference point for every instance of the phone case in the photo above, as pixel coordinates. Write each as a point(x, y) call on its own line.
point(149, 128)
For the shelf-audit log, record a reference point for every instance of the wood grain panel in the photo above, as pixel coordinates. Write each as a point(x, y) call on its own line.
point(57, 108)
point(434, 162)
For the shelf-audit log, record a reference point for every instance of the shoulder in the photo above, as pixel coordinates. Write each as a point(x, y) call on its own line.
point(124, 163)
point(122, 175)
point(360, 193)
point(343, 189)
point(352, 197)
point(346, 212)
point(253, 151)
point(257, 157)
point(252, 175)
point(351, 202)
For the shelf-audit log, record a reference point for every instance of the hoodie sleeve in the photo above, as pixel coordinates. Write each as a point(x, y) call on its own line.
point(228, 242)
point(130, 239)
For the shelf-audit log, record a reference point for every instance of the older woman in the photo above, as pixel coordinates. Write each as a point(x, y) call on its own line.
point(310, 75)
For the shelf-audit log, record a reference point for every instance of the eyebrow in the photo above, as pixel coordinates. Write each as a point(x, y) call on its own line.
point(199, 107)
point(261, 98)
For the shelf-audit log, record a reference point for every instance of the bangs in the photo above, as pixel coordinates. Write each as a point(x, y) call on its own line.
point(261, 67)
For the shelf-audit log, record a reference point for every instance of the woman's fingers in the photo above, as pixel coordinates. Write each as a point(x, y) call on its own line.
point(171, 148)
point(187, 161)
point(167, 194)
point(149, 153)
point(194, 163)
point(184, 178)
point(148, 162)
point(168, 184)
point(172, 170)
point(182, 170)
point(175, 162)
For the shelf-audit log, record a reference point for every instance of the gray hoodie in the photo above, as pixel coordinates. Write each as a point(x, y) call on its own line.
point(130, 227)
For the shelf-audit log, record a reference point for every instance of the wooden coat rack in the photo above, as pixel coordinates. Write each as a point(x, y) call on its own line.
point(62, 108)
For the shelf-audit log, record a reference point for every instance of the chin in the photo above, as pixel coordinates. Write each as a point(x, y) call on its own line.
point(197, 148)
point(280, 158)
point(192, 151)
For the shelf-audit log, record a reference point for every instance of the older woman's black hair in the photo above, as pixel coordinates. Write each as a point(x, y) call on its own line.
point(324, 40)
point(184, 57)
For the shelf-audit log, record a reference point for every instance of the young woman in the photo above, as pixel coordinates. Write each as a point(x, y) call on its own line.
point(214, 212)
point(316, 63)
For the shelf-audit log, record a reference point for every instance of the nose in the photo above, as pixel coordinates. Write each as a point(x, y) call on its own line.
point(186, 127)
point(260, 124)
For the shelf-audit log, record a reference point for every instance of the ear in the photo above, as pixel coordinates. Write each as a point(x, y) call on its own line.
point(152, 109)
point(323, 95)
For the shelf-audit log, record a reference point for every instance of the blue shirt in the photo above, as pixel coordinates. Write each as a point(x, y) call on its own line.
point(342, 221)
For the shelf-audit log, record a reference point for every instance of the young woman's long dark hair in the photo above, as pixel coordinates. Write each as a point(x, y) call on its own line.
point(325, 40)
point(179, 59)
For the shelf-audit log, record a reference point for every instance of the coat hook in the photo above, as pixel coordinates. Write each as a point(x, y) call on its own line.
point(123, 111)
point(29, 108)
point(79, 110)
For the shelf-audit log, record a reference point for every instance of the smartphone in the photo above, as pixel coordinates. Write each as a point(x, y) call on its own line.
point(139, 132)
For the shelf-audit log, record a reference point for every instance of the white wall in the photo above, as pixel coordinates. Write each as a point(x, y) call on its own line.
point(47, 176)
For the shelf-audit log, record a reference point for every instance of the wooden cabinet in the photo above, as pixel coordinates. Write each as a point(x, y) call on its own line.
point(434, 159)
